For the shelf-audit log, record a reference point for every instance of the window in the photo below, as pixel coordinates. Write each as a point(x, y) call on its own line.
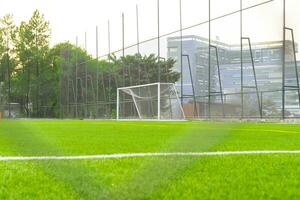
point(173, 49)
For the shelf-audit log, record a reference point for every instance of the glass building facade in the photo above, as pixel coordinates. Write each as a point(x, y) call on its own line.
point(267, 57)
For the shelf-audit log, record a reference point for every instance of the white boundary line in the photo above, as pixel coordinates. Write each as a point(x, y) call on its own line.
point(131, 155)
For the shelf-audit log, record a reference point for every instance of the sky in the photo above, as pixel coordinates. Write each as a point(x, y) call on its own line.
point(71, 18)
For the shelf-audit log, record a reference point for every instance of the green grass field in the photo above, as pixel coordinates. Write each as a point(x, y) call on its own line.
point(213, 177)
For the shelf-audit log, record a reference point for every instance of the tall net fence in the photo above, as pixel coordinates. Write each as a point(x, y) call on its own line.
point(227, 61)
point(225, 72)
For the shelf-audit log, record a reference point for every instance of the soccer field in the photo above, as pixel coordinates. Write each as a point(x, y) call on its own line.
point(245, 176)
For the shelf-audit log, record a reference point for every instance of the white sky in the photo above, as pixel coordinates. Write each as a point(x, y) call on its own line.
point(71, 18)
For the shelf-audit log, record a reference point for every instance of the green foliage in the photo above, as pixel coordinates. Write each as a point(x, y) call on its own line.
point(7, 58)
point(32, 49)
point(138, 69)
point(112, 73)
point(39, 75)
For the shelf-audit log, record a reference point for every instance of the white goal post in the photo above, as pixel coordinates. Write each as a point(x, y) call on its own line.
point(155, 101)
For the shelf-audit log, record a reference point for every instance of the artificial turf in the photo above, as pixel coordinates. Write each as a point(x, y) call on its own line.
point(216, 177)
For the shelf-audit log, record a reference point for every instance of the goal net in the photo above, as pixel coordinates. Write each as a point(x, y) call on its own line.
point(157, 101)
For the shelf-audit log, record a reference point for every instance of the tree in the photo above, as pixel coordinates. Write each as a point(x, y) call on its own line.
point(7, 59)
point(65, 57)
point(103, 77)
point(32, 47)
point(44, 78)
point(137, 69)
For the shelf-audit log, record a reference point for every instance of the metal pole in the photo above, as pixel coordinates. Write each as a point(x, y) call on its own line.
point(37, 75)
point(108, 28)
point(193, 87)
point(135, 103)
point(158, 38)
point(138, 42)
point(123, 36)
point(158, 101)
point(60, 93)
point(97, 55)
point(85, 41)
point(76, 83)
point(27, 92)
point(68, 92)
point(103, 87)
point(181, 52)
point(241, 55)
point(261, 102)
point(283, 64)
point(296, 66)
point(123, 49)
point(209, 55)
point(97, 43)
point(219, 78)
point(86, 78)
point(8, 75)
point(255, 79)
point(137, 29)
point(118, 101)
point(109, 76)
point(123, 54)
point(295, 61)
point(220, 81)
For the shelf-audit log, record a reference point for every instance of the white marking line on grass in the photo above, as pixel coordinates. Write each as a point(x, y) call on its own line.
point(130, 155)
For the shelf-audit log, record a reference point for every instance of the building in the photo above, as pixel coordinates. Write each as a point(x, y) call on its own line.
point(267, 57)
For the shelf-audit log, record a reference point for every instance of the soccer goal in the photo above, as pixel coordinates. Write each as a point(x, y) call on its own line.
point(156, 101)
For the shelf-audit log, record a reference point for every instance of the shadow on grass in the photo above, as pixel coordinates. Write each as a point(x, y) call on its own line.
point(143, 176)
point(74, 174)
point(154, 174)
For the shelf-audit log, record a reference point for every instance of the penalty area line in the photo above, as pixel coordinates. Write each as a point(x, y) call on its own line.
point(132, 155)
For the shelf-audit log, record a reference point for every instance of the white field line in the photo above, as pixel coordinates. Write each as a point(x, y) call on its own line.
point(131, 155)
